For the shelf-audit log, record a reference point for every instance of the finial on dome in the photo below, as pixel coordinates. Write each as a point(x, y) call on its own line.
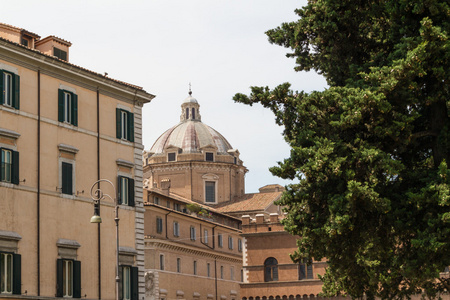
point(190, 91)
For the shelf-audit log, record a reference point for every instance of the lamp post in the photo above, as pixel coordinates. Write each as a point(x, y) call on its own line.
point(97, 195)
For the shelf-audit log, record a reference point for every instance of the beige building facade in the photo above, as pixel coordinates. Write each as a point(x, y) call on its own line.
point(62, 128)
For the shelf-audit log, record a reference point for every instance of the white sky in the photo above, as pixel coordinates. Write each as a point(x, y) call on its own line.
point(218, 46)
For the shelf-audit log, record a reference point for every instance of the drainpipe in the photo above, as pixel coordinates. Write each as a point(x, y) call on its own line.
point(165, 217)
point(38, 208)
point(98, 205)
point(215, 275)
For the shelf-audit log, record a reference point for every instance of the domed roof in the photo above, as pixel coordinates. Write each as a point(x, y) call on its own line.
point(191, 135)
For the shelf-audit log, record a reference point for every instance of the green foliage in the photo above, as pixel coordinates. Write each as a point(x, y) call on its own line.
point(194, 207)
point(371, 152)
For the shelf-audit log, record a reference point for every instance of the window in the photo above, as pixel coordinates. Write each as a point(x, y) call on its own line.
point(305, 271)
point(230, 243)
point(193, 233)
point(220, 240)
point(235, 160)
point(195, 267)
point(208, 269)
point(67, 107)
point(231, 273)
point(24, 42)
point(209, 156)
point(176, 206)
point(10, 87)
point(10, 273)
point(168, 204)
point(239, 245)
point(172, 156)
point(159, 225)
point(179, 265)
point(67, 178)
point(210, 191)
point(10, 166)
point(128, 287)
point(205, 236)
point(176, 229)
point(221, 272)
point(270, 269)
point(161, 262)
point(124, 125)
point(193, 113)
point(156, 200)
point(187, 113)
point(61, 54)
point(126, 190)
point(68, 278)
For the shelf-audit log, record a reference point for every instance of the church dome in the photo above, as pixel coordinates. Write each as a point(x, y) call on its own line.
point(191, 135)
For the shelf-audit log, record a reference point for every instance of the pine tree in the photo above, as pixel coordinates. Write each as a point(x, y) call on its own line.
point(371, 151)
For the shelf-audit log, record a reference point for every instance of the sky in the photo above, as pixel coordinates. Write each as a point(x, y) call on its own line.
point(217, 46)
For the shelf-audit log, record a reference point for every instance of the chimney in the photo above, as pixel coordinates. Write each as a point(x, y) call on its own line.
point(165, 186)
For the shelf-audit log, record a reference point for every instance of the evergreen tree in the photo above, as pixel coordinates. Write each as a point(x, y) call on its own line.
point(370, 152)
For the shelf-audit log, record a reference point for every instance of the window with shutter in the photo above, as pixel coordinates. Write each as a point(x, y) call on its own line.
point(67, 178)
point(10, 87)
point(67, 107)
point(124, 125)
point(68, 278)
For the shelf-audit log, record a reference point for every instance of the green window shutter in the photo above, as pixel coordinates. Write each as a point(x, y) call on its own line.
point(60, 105)
point(118, 124)
point(120, 282)
point(130, 127)
point(1, 173)
point(134, 283)
point(17, 275)
point(130, 192)
point(74, 109)
point(59, 278)
point(66, 187)
point(2, 98)
point(16, 98)
point(76, 279)
point(15, 167)
point(119, 189)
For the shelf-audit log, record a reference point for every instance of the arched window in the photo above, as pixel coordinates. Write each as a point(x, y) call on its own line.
point(187, 113)
point(271, 269)
point(193, 113)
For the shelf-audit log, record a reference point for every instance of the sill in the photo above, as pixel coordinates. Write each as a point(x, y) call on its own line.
point(68, 125)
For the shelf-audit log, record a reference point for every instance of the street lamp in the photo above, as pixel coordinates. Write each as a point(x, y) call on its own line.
point(97, 195)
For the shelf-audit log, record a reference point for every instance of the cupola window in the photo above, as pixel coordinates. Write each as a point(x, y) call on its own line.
point(187, 113)
point(193, 113)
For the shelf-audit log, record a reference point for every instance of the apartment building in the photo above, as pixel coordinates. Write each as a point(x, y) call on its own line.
point(63, 128)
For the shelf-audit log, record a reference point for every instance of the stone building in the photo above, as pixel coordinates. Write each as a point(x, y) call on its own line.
point(269, 272)
point(62, 128)
point(192, 250)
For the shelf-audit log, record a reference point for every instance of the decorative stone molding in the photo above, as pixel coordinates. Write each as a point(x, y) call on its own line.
point(9, 133)
point(127, 255)
point(68, 148)
point(9, 240)
point(67, 248)
point(124, 163)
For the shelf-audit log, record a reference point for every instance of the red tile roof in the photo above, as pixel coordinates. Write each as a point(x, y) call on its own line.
point(250, 202)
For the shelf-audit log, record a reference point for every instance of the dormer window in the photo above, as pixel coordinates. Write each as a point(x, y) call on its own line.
point(209, 156)
point(171, 156)
point(60, 53)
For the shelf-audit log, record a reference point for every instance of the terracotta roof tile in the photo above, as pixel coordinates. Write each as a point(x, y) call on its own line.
point(250, 202)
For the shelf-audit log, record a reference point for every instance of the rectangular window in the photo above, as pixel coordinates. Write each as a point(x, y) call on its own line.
point(193, 233)
point(128, 279)
point(305, 271)
point(208, 270)
point(176, 206)
point(195, 267)
point(124, 125)
point(168, 204)
point(67, 178)
point(10, 273)
point(24, 42)
point(239, 245)
point(61, 54)
point(210, 191)
point(221, 272)
point(220, 240)
point(230, 243)
point(159, 225)
point(171, 156)
point(156, 200)
point(231, 273)
point(209, 156)
point(176, 229)
point(205, 236)
point(10, 87)
point(68, 278)
point(9, 166)
point(161, 262)
point(179, 265)
point(126, 190)
point(67, 107)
